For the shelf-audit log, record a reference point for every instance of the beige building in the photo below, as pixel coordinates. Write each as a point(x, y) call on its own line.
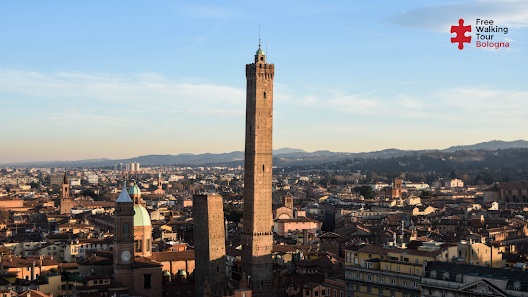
point(480, 254)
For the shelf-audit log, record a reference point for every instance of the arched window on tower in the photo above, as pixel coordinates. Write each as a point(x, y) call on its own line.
point(126, 230)
point(264, 94)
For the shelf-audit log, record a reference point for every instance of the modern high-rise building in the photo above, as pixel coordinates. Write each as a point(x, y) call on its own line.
point(209, 244)
point(132, 167)
point(257, 236)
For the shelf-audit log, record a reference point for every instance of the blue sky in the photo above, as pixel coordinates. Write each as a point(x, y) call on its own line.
point(118, 79)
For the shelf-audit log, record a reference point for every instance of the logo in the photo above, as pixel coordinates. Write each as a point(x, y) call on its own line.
point(483, 40)
point(460, 30)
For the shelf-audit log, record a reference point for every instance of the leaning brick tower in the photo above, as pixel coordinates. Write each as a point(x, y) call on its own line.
point(257, 235)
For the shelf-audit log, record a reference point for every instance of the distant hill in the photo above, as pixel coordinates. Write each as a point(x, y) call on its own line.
point(490, 145)
point(283, 157)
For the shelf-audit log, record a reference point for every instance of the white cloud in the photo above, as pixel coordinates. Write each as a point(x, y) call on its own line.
point(465, 104)
point(140, 92)
point(440, 18)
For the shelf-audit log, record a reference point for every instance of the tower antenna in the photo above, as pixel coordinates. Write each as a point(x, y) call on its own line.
point(259, 35)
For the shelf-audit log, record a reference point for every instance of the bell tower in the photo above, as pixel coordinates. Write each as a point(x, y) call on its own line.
point(65, 187)
point(66, 202)
point(124, 238)
point(257, 236)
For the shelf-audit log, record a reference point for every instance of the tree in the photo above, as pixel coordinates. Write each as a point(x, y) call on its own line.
point(453, 174)
point(35, 185)
point(477, 179)
point(4, 214)
point(365, 191)
point(425, 194)
point(465, 178)
point(89, 192)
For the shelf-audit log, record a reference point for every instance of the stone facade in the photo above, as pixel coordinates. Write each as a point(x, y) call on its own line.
point(209, 244)
point(257, 236)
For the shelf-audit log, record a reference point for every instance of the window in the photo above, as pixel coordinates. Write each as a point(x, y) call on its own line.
point(416, 261)
point(335, 293)
point(138, 245)
point(328, 291)
point(264, 94)
point(146, 281)
point(392, 281)
point(398, 268)
point(370, 255)
point(415, 285)
point(433, 274)
point(369, 290)
point(358, 288)
point(386, 267)
point(405, 283)
point(410, 270)
point(148, 244)
point(369, 277)
point(392, 293)
point(381, 279)
point(126, 230)
point(517, 286)
point(27, 268)
point(358, 276)
point(341, 294)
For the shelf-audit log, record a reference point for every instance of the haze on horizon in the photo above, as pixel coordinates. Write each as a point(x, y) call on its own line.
point(122, 79)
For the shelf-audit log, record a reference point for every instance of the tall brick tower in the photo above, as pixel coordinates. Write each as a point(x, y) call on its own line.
point(257, 236)
point(124, 238)
point(209, 244)
point(66, 203)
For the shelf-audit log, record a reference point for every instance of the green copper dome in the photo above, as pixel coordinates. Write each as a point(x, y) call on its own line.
point(141, 216)
point(260, 51)
point(166, 273)
point(134, 190)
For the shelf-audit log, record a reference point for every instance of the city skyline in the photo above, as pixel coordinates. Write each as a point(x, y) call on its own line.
point(81, 82)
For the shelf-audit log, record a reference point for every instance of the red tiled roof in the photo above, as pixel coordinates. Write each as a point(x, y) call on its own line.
point(172, 256)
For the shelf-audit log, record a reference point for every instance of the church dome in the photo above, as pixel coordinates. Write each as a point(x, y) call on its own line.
point(141, 216)
point(260, 51)
point(134, 190)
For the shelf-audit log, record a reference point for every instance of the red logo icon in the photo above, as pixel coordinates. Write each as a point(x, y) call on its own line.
point(460, 30)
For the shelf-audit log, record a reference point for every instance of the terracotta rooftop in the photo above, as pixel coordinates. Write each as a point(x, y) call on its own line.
point(172, 256)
